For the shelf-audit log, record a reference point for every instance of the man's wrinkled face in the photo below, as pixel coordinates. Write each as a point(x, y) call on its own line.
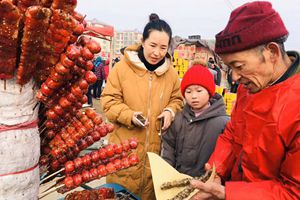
point(252, 68)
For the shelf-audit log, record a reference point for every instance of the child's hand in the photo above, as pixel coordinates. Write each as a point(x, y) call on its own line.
point(167, 119)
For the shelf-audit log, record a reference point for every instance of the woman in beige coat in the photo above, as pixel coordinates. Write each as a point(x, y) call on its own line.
point(143, 82)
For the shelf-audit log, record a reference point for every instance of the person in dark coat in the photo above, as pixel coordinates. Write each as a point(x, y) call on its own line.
point(100, 74)
point(232, 84)
point(106, 70)
point(189, 142)
point(212, 65)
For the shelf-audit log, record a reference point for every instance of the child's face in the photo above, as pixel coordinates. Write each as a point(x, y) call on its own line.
point(196, 96)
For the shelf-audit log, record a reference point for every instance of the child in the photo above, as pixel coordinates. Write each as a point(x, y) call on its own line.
point(190, 140)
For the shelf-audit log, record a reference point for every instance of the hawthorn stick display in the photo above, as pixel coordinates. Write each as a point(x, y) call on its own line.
point(110, 153)
point(74, 181)
point(44, 40)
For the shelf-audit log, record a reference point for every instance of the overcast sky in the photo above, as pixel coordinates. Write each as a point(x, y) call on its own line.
point(186, 17)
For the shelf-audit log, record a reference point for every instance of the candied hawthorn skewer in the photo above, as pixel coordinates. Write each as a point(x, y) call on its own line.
point(9, 29)
point(208, 176)
point(65, 5)
point(113, 151)
point(36, 25)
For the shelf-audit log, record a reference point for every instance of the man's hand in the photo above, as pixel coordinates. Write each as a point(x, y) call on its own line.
point(209, 190)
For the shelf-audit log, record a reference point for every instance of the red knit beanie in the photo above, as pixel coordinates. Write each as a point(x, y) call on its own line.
point(198, 75)
point(250, 25)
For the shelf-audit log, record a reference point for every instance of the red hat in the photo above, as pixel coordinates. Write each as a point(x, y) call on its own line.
point(250, 25)
point(198, 75)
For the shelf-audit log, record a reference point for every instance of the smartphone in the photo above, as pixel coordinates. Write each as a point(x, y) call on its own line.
point(141, 119)
point(161, 124)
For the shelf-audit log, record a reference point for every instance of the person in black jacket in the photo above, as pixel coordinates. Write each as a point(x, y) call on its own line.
point(212, 65)
point(189, 142)
point(232, 84)
point(99, 71)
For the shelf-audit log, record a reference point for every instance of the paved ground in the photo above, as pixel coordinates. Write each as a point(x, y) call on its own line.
point(96, 105)
point(95, 183)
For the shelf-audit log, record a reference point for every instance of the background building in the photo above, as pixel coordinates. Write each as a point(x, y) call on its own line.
point(125, 38)
point(111, 41)
point(103, 34)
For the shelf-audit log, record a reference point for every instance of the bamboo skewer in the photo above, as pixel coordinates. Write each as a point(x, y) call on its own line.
point(213, 174)
point(43, 124)
point(35, 105)
point(45, 193)
point(52, 186)
point(43, 130)
point(51, 175)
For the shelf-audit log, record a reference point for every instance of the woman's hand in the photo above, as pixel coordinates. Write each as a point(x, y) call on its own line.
point(167, 119)
point(135, 120)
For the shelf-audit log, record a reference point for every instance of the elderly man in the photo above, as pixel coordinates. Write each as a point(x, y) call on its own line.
point(258, 154)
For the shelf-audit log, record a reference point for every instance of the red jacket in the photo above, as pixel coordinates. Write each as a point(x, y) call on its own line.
point(260, 148)
point(106, 71)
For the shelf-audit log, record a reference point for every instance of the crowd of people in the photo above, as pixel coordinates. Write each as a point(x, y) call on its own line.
point(101, 70)
point(256, 150)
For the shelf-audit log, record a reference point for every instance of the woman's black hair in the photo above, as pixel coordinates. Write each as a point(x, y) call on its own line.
point(122, 50)
point(156, 24)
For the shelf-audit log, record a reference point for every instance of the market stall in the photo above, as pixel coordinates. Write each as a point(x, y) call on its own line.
point(46, 59)
point(187, 51)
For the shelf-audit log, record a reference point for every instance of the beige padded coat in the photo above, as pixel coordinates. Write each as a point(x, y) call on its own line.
point(130, 88)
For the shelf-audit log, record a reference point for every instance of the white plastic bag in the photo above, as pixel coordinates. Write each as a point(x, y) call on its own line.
point(19, 143)
point(17, 102)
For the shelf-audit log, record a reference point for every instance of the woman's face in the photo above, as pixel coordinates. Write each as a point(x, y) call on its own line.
point(156, 46)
